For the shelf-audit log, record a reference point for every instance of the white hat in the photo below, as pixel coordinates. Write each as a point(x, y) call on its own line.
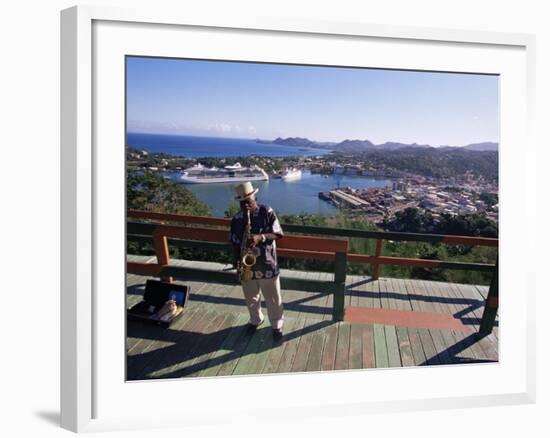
point(245, 191)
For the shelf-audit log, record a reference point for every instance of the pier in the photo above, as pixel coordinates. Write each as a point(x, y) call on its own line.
point(348, 199)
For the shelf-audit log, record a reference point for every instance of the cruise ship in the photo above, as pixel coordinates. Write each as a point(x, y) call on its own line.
point(199, 174)
point(291, 174)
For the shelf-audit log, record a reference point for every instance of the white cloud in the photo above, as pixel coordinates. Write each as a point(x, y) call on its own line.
point(177, 127)
point(228, 128)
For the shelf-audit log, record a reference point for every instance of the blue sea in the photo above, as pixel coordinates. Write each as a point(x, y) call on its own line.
point(189, 146)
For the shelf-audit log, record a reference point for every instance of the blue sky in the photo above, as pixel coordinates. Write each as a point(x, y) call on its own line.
point(248, 100)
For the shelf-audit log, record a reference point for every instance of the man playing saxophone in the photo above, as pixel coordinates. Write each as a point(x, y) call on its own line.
point(254, 231)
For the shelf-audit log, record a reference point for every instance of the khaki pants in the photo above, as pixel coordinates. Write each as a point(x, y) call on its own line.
point(271, 290)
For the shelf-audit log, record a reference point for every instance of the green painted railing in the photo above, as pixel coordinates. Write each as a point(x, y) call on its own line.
point(143, 232)
point(161, 236)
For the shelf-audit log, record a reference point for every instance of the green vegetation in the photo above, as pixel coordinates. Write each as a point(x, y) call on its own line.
point(430, 162)
point(491, 199)
point(455, 253)
point(413, 220)
point(151, 192)
point(421, 250)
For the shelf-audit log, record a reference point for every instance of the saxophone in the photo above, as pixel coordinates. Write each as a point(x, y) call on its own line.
point(248, 259)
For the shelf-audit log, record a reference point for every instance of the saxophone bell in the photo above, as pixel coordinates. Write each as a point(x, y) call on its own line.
point(249, 260)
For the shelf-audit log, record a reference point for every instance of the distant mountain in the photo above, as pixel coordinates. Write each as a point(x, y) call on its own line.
point(344, 146)
point(367, 145)
point(294, 141)
point(302, 142)
point(354, 145)
point(393, 145)
point(486, 146)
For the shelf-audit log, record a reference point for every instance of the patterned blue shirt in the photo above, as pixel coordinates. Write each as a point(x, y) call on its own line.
point(263, 221)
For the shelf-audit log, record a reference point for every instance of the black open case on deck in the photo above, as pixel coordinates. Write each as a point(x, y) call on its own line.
point(156, 294)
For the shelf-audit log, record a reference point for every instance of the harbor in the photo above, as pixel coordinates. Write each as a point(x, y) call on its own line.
point(286, 195)
point(326, 184)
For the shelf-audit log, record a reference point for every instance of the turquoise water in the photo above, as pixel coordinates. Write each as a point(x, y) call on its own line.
point(286, 197)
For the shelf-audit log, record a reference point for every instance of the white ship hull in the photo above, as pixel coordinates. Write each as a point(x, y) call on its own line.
point(227, 179)
point(292, 175)
point(230, 174)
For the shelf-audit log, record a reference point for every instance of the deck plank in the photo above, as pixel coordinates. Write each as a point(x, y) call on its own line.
point(316, 352)
point(304, 347)
point(144, 331)
point(329, 350)
point(185, 356)
point(405, 349)
point(373, 293)
point(380, 348)
point(404, 302)
point(440, 346)
point(429, 348)
point(356, 346)
point(444, 340)
point(384, 300)
point(318, 299)
point(367, 342)
point(341, 361)
point(211, 346)
point(227, 367)
point(394, 357)
point(419, 355)
point(427, 304)
point(275, 354)
point(487, 348)
point(451, 339)
point(291, 347)
point(225, 350)
point(248, 363)
point(438, 297)
point(414, 296)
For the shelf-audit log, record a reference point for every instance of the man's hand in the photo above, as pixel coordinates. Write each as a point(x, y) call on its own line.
point(255, 239)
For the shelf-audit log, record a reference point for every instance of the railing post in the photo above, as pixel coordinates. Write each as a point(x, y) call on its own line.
point(340, 282)
point(491, 306)
point(160, 244)
point(376, 266)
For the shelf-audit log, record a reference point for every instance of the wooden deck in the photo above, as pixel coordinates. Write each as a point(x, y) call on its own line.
point(209, 339)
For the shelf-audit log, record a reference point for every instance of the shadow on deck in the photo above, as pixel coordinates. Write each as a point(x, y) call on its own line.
point(209, 339)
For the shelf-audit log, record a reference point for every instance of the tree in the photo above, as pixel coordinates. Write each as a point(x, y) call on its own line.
point(232, 209)
point(150, 191)
point(489, 198)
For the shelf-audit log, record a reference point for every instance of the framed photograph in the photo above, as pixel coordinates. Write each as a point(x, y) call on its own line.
point(328, 214)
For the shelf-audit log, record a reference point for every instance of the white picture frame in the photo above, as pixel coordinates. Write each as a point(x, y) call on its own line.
point(89, 399)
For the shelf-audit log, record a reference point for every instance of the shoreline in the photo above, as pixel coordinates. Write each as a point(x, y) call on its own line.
point(459, 194)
